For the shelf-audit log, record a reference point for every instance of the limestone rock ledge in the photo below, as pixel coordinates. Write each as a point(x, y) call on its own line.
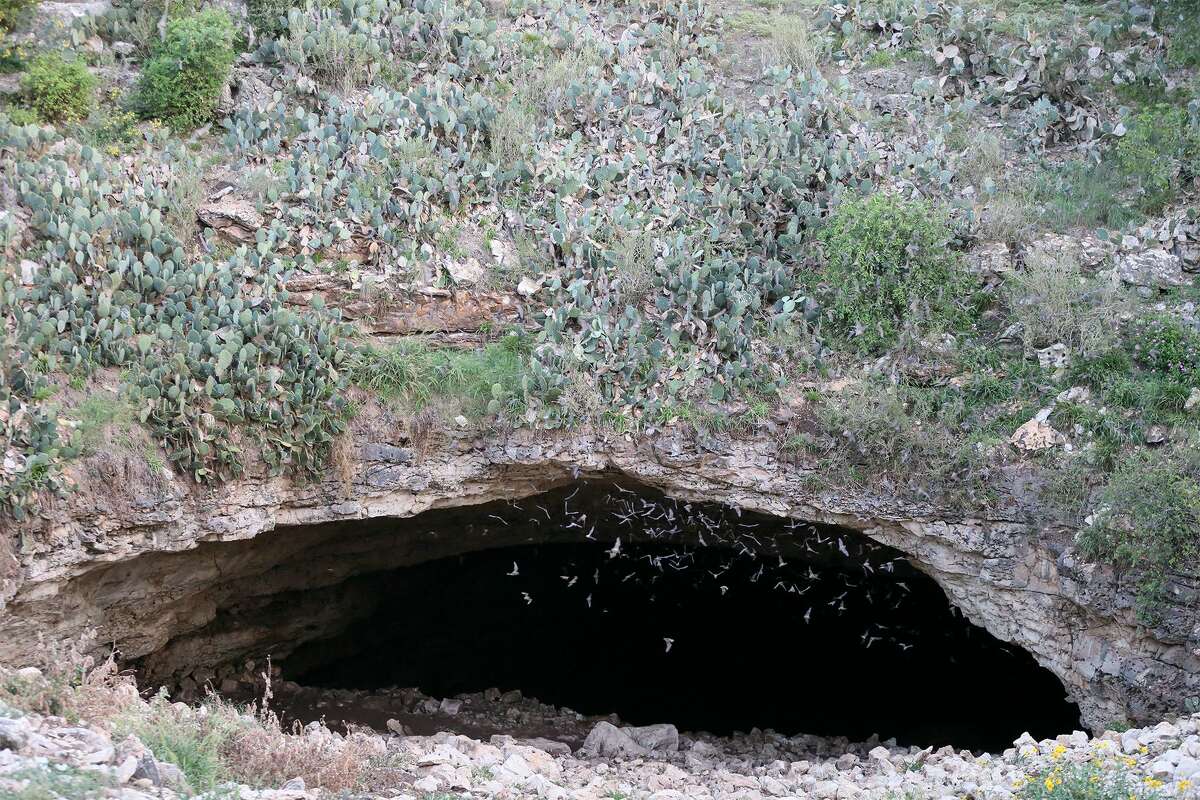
point(1025, 585)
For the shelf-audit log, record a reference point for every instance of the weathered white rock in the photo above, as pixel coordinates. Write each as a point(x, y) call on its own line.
point(608, 741)
point(661, 738)
point(1156, 269)
point(1036, 435)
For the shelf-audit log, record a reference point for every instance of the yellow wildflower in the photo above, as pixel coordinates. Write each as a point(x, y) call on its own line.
point(1143, 749)
point(1153, 783)
point(1184, 785)
point(1058, 751)
point(1049, 784)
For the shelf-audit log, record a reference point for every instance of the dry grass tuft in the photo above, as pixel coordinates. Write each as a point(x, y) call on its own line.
point(1055, 302)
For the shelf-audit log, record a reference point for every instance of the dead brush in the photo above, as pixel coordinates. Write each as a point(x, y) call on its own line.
point(72, 684)
point(260, 750)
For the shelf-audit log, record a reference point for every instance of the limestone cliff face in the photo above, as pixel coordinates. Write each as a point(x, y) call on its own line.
point(132, 554)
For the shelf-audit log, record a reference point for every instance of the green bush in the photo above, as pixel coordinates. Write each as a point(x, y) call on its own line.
point(58, 90)
point(1167, 346)
point(268, 17)
point(21, 116)
point(1159, 147)
point(1091, 781)
point(11, 12)
point(1148, 516)
point(182, 81)
point(888, 264)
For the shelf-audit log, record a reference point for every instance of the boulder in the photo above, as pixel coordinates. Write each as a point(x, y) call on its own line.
point(1155, 269)
point(235, 217)
point(662, 738)
point(607, 740)
point(1036, 435)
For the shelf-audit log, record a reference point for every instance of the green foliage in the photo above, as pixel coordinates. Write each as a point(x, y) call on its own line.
point(58, 90)
point(13, 11)
point(1158, 153)
point(889, 265)
point(1079, 193)
point(1147, 520)
point(190, 742)
point(97, 414)
point(1159, 150)
point(59, 781)
point(111, 126)
point(268, 17)
point(141, 22)
point(336, 51)
point(22, 116)
point(182, 82)
point(210, 345)
point(493, 381)
point(1167, 346)
point(1092, 780)
point(914, 438)
point(1181, 20)
point(1054, 302)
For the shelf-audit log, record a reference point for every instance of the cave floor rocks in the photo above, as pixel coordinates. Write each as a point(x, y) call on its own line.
point(118, 751)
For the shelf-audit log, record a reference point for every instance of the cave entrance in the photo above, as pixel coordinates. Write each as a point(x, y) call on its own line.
point(607, 599)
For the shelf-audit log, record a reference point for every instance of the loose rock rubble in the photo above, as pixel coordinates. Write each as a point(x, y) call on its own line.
point(656, 762)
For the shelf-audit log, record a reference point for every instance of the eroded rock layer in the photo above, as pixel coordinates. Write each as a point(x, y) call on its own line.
point(145, 558)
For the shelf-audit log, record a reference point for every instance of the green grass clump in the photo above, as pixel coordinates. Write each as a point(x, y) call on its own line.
point(56, 781)
point(191, 743)
point(182, 81)
point(56, 89)
point(269, 17)
point(1148, 518)
point(491, 381)
point(1166, 346)
point(100, 414)
point(1159, 148)
point(1140, 176)
point(889, 265)
point(1181, 20)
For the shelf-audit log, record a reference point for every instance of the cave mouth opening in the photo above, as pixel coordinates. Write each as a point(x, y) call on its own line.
point(609, 600)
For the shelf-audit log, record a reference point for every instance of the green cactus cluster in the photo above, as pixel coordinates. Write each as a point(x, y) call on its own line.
point(723, 197)
point(1048, 76)
point(211, 346)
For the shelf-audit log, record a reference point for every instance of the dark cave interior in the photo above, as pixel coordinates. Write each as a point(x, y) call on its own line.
point(701, 616)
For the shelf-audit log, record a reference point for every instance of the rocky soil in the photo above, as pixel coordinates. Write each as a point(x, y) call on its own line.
point(91, 758)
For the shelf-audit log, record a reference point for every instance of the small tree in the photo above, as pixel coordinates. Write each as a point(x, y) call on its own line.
point(182, 81)
point(58, 90)
point(888, 263)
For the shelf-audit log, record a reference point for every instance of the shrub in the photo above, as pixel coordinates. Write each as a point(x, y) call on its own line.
point(1080, 193)
point(13, 11)
point(888, 264)
point(1167, 346)
point(58, 90)
point(268, 17)
point(182, 738)
point(21, 116)
point(182, 81)
point(140, 22)
point(1148, 516)
point(1055, 302)
point(794, 44)
point(1158, 148)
